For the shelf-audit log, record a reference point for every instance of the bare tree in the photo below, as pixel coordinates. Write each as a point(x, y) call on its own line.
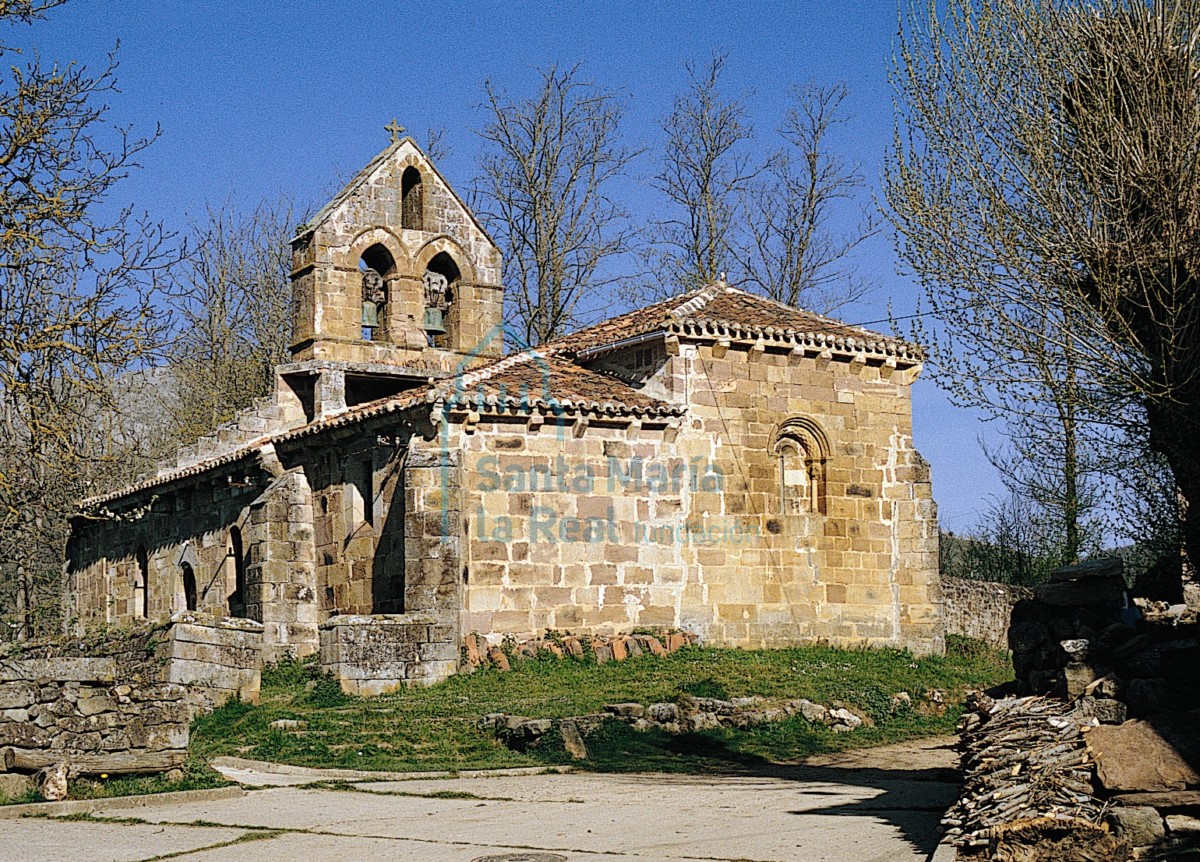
point(76, 308)
point(234, 309)
point(1045, 168)
point(788, 250)
point(706, 167)
point(547, 169)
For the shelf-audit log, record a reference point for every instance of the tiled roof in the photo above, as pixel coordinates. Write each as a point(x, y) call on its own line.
point(521, 381)
point(540, 379)
point(717, 307)
point(549, 379)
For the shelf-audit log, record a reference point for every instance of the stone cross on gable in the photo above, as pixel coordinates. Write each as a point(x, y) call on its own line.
point(395, 128)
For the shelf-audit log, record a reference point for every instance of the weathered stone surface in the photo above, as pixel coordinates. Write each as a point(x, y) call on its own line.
point(663, 712)
point(1076, 677)
point(1183, 825)
point(18, 695)
point(14, 785)
point(814, 712)
point(1104, 710)
point(573, 739)
point(1174, 800)
point(626, 710)
point(1142, 826)
point(1135, 756)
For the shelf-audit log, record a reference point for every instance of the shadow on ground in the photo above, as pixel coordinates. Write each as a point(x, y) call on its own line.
point(915, 787)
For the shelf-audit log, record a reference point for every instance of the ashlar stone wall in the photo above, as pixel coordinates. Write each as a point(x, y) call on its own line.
point(610, 523)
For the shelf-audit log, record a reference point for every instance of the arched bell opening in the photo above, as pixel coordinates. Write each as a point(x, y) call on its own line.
point(412, 200)
point(376, 267)
point(442, 278)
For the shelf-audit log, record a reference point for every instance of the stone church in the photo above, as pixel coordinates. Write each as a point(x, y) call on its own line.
point(718, 463)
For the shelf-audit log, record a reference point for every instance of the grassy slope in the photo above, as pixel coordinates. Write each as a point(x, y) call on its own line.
point(434, 728)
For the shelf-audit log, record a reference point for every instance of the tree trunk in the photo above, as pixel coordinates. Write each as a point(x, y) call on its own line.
point(1175, 433)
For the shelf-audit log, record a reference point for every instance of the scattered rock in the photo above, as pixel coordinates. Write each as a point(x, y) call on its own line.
point(288, 724)
point(14, 784)
point(814, 712)
point(52, 782)
point(843, 720)
point(572, 739)
point(626, 710)
point(1142, 826)
point(1103, 710)
point(619, 652)
point(1182, 825)
point(702, 721)
point(1134, 756)
point(174, 775)
point(663, 713)
point(602, 651)
point(499, 659)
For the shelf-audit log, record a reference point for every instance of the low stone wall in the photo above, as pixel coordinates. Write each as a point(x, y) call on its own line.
point(980, 609)
point(376, 654)
point(55, 709)
point(122, 703)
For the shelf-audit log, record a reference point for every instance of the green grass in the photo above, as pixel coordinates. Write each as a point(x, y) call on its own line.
point(435, 728)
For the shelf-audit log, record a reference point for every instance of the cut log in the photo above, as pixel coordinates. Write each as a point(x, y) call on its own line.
point(125, 763)
point(7, 760)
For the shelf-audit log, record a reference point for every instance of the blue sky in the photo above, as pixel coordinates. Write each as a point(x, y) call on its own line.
point(257, 98)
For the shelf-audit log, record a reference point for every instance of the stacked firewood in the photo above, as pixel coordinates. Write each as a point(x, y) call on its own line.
point(1022, 758)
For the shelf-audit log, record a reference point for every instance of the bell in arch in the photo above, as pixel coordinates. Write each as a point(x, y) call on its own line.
point(374, 295)
point(435, 323)
point(370, 315)
point(436, 302)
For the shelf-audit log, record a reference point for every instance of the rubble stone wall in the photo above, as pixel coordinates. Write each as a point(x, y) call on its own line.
point(980, 609)
point(138, 696)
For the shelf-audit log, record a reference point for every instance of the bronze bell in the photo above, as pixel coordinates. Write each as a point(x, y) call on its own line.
point(370, 315)
point(433, 321)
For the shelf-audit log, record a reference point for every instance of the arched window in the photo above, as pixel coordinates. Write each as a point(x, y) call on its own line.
point(376, 267)
point(141, 583)
point(801, 449)
point(442, 278)
point(412, 200)
point(237, 599)
point(190, 597)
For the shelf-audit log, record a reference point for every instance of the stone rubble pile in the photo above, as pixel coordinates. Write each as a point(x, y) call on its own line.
point(686, 714)
point(479, 652)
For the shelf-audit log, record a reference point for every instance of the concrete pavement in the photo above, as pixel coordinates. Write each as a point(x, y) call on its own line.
point(874, 806)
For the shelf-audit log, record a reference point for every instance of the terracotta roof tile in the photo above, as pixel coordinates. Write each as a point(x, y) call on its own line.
point(715, 304)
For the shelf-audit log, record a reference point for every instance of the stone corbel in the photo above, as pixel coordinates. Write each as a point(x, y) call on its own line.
point(536, 420)
point(720, 348)
point(888, 368)
point(759, 348)
point(581, 426)
point(671, 344)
